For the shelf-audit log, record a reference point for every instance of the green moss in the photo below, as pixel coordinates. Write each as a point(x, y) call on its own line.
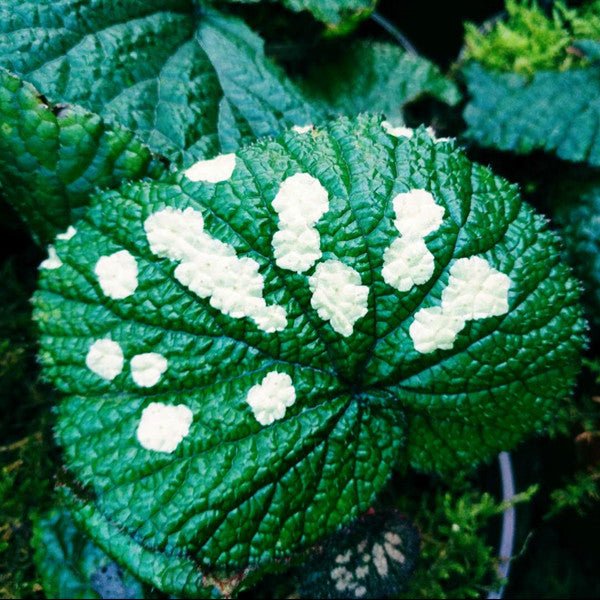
point(529, 40)
point(459, 523)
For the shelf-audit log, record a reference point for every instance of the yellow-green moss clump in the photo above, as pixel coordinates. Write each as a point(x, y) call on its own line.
point(528, 39)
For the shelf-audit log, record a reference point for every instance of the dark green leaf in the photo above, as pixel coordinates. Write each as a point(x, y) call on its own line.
point(190, 84)
point(558, 112)
point(233, 392)
point(374, 557)
point(52, 157)
point(375, 77)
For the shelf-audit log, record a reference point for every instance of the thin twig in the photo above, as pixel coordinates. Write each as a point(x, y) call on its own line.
point(394, 32)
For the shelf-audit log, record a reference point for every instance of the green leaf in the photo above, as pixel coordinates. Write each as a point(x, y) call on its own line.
point(71, 566)
point(245, 361)
point(576, 203)
point(52, 157)
point(374, 557)
point(375, 77)
point(553, 111)
point(340, 16)
point(190, 84)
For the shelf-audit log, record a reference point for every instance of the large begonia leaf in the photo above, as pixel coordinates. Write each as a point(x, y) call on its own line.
point(248, 351)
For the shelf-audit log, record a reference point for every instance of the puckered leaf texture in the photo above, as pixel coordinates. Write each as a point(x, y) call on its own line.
point(558, 112)
point(245, 360)
point(375, 76)
point(190, 83)
point(52, 157)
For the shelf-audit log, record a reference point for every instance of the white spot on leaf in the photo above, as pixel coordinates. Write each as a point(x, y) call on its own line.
point(394, 553)
point(211, 268)
point(380, 560)
point(68, 234)
point(407, 261)
point(117, 274)
point(53, 261)
point(147, 369)
point(338, 296)
point(417, 213)
point(163, 427)
point(214, 170)
point(105, 358)
point(398, 131)
point(300, 202)
point(361, 572)
point(475, 290)
point(393, 538)
point(302, 128)
point(343, 579)
point(270, 398)
point(432, 329)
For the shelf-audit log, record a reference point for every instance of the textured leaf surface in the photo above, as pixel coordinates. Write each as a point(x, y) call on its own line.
point(52, 157)
point(375, 76)
point(553, 111)
point(374, 557)
point(577, 211)
point(243, 363)
point(71, 566)
point(190, 85)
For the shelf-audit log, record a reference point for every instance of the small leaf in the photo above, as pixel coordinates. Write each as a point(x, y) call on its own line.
point(274, 339)
point(558, 112)
point(375, 77)
point(71, 566)
point(374, 557)
point(52, 157)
